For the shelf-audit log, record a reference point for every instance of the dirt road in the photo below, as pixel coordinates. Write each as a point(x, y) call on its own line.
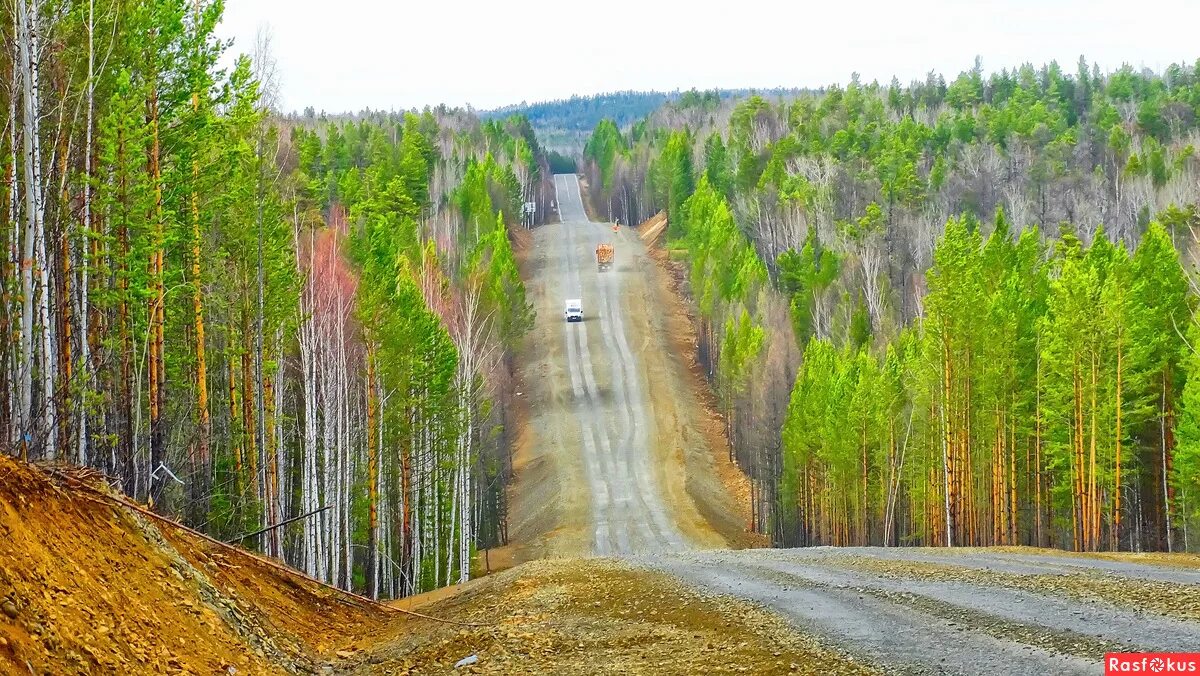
point(609, 467)
point(962, 611)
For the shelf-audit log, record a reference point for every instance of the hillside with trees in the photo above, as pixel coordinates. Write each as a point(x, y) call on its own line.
point(581, 113)
point(295, 333)
point(944, 312)
point(563, 125)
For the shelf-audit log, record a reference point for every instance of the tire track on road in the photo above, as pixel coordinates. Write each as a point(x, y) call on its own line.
point(587, 400)
point(611, 498)
point(641, 471)
point(634, 514)
point(901, 637)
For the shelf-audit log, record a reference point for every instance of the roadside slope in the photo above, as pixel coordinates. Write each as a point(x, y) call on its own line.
point(717, 486)
point(91, 585)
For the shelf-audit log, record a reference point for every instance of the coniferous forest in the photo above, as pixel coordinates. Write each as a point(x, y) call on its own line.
point(943, 313)
point(248, 319)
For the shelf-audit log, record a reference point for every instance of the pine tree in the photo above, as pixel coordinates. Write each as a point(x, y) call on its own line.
point(955, 290)
point(1161, 295)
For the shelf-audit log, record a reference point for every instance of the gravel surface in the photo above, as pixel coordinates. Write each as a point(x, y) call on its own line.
point(1031, 563)
point(596, 616)
point(959, 611)
point(609, 467)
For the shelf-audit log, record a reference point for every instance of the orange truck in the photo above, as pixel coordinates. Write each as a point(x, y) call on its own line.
point(604, 256)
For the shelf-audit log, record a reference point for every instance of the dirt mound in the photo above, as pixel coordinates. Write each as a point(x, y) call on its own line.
point(89, 584)
point(520, 237)
point(597, 616)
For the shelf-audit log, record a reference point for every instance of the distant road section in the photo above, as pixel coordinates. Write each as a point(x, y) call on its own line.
point(605, 467)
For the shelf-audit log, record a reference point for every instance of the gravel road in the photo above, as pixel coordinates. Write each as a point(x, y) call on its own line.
point(605, 469)
point(931, 611)
point(628, 514)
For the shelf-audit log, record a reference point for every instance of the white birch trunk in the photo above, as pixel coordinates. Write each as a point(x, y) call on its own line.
point(417, 517)
point(872, 264)
point(341, 551)
point(16, 373)
point(85, 263)
point(309, 378)
point(13, 433)
point(26, 26)
point(329, 420)
point(49, 367)
point(281, 473)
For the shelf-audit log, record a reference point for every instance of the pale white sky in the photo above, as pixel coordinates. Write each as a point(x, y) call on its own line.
point(350, 54)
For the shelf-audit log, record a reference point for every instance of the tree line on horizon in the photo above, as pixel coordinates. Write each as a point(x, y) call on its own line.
point(947, 313)
point(563, 125)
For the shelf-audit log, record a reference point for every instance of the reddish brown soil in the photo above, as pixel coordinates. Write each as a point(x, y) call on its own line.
point(90, 586)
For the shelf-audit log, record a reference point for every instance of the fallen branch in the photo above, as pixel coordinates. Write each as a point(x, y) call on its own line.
point(278, 525)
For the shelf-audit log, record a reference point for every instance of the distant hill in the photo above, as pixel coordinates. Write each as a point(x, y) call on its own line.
point(581, 113)
point(564, 125)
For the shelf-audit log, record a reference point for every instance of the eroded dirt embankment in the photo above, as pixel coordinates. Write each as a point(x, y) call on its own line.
point(717, 486)
point(88, 585)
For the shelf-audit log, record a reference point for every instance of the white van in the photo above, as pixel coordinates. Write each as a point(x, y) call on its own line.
point(574, 311)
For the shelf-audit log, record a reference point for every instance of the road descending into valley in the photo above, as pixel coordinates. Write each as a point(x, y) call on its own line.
point(628, 547)
point(628, 514)
point(612, 464)
point(608, 475)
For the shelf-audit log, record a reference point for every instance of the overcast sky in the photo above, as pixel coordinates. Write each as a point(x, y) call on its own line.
point(399, 54)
